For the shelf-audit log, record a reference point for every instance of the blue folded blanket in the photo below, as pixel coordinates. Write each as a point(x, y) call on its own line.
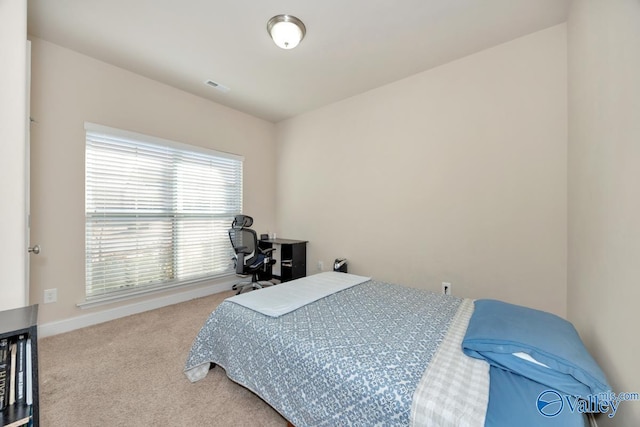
point(513, 402)
point(535, 344)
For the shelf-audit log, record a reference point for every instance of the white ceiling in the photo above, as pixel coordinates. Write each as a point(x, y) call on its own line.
point(351, 46)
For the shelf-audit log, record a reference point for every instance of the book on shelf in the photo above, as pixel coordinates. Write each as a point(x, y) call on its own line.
point(5, 363)
point(12, 377)
point(29, 371)
point(16, 382)
point(21, 369)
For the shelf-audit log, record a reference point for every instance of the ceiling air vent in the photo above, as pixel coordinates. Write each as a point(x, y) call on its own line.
point(222, 88)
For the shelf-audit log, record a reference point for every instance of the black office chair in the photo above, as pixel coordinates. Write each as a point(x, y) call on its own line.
point(249, 258)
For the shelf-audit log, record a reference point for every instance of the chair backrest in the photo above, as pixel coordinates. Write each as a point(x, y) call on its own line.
point(243, 239)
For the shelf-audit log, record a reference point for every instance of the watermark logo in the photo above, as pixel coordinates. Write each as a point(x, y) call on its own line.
point(550, 403)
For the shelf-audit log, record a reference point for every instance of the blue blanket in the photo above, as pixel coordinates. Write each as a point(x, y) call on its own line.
point(512, 402)
point(557, 357)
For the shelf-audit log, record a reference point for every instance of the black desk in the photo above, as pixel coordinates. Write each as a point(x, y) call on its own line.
point(290, 256)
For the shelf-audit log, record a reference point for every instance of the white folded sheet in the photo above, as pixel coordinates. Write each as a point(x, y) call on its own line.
point(284, 298)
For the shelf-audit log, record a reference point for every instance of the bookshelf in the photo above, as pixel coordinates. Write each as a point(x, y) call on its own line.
point(13, 323)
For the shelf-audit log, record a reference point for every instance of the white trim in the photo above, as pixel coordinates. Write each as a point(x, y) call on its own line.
point(67, 325)
point(592, 420)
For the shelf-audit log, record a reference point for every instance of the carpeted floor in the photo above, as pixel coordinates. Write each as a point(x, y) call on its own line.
point(128, 372)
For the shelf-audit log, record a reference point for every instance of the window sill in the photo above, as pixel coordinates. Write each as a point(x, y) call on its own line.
point(223, 279)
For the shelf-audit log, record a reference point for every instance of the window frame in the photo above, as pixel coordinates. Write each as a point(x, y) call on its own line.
point(178, 219)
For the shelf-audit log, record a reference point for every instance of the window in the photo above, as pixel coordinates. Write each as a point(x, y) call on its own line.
point(157, 212)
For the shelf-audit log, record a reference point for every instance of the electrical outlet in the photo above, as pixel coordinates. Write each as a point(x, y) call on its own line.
point(50, 295)
point(446, 288)
point(320, 266)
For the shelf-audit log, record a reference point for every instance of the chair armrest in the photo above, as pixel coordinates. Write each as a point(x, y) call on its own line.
point(267, 251)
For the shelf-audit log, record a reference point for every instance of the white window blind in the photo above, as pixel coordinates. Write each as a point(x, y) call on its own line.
point(157, 212)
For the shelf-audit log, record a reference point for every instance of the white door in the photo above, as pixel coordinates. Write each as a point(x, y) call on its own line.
point(13, 87)
point(32, 249)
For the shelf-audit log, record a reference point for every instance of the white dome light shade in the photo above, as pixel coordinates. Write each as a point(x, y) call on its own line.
point(286, 31)
point(287, 35)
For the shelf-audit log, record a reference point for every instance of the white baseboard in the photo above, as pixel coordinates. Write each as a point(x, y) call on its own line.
point(67, 325)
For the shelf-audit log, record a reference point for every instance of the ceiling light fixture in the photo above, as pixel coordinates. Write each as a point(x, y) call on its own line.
point(286, 31)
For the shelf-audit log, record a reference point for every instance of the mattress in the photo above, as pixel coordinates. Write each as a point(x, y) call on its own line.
point(355, 357)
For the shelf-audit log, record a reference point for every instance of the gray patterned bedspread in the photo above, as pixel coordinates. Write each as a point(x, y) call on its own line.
point(352, 358)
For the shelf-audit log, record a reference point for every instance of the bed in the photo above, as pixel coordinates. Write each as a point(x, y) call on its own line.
point(338, 349)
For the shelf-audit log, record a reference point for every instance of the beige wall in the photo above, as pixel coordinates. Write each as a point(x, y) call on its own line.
point(13, 123)
point(604, 189)
point(68, 89)
point(455, 174)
